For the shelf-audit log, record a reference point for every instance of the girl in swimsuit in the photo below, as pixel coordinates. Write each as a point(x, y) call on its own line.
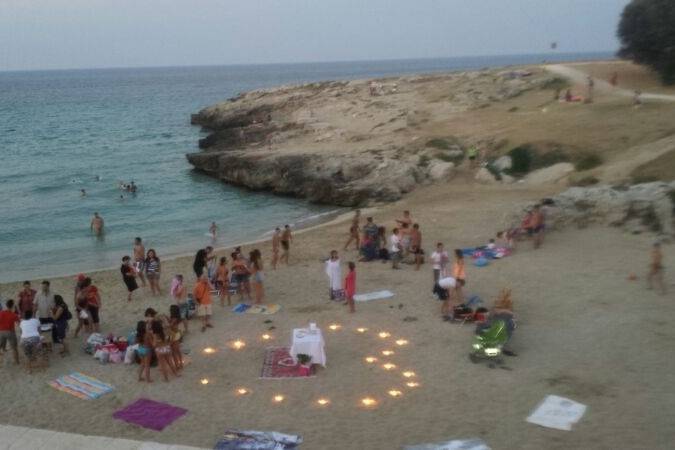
point(175, 336)
point(459, 274)
point(144, 351)
point(256, 269)
point(162, 348)
point(222, 282)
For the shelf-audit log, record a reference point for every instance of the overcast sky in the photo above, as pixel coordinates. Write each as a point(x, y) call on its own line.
point(53, 34)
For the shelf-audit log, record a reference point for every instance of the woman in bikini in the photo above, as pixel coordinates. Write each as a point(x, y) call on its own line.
point(175, 336)
point(256, 269)
point(144, 351)
point(223, 282)
point(241, 275)
point(162, 348)
point(459, 274)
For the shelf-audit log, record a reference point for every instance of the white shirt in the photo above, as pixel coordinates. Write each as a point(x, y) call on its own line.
point(395, 242)
point(44, 303)
point(439, 259)
point(30, 328)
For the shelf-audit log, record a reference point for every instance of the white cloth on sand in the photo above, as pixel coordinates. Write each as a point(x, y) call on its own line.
point(447, 282)
point(557, 412)
point(455, 444)
point(373, 296)
point(334, 273)
point(308, 342)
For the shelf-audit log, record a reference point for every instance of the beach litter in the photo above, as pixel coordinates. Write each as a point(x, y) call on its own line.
point(455, 444)
point(557, 412)
point(150, 414)
point(81, 386)
point(377, 295)
point(257, 440)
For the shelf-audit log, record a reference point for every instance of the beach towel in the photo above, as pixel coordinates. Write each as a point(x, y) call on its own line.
point(257, 440)
point(378, 295)
point(455, 444)
point(81, 386)
point(270, 308)
point(557, 412)
point(149, 414)
point(279, 363)
point(481, 262)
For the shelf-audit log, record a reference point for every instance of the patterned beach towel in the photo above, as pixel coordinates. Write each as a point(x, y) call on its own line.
point(280, 364)
point(270, 308)
point(257, 440)
point(81, 386)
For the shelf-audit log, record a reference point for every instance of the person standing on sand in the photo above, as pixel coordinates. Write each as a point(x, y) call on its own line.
point(537, 223)
point(416, 245)
point(96, 225)
point(334, 276)
point(128, 276)
point(354, 231)
point(286, 239)
point(591, 85)
point(350, 286)
point(459, 274)
point(656, 269)
point(153, 269)
point(223, 282)
point(276, 242)
point(8, 321)
point(256, 269)
point(202, 295)
point(200, 262)
point(139, 259)
point(90, 298)
point(407, 219)
point(43, 304)
point(396, 247)
point(26, 299)
point(80, 305)
point(440, 260)
point(242, 275)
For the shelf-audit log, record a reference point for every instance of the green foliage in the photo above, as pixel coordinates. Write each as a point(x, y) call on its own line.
point(303, 359)
point(647, 34)
point(555, 83)
point(521, 160)
point(588, 162)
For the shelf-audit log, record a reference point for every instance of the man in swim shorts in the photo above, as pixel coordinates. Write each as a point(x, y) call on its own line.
point(139, 259)
point(276, 242)
point(286, 239)
point(96, 224)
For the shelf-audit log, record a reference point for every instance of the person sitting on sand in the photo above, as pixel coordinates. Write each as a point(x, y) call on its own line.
point(656, 269)
point(96, 224)
point(502, 310)
point(202, 295)
point(128, 276)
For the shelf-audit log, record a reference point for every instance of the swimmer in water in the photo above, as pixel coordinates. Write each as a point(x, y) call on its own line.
point(83, 193)
point(132, 187)
point(97, 224)
point(97, 178)
point(213, 229)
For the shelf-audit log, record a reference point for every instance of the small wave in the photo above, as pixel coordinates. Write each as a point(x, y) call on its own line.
point(312, 219)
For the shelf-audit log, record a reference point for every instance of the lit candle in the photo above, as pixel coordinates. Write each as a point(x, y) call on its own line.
point(204, 381)
point(362, 330)
point(209, 350)
point(242, 391)
point(412, 384)
point(384, 334)
point(370, 359)
point(395, 393)
point(266, 337)
point(238, 344)
point(323, 401)
point(401, 342)
point(368, 401)
point(278, 398)
point(389, 366)
point(387, 352)
point(409, 374)
point(334, 326)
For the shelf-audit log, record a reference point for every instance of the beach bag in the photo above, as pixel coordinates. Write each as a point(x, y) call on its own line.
point(337, 294)
point(481, 315)
point(84, 315)
point(130, 354)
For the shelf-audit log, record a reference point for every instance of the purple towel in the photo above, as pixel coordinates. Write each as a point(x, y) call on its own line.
point(149, 414)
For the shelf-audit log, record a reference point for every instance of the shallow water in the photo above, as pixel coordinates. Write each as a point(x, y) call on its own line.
point(59, 130)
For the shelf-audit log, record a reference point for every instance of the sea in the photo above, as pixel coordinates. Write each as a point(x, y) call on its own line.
point(67, 130)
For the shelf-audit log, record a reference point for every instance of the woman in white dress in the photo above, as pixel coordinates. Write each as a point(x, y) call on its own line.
point(334, 276)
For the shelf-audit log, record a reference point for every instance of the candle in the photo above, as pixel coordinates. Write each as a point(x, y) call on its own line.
point(388, 366)
point(362, 330)
point(370, 359)
point(387, 352)
point(238, 344)
point(409, 374)
point(242, 391)
point(209, 350)
point(395, 393)
point(401, 342)
point(384, 334)
point(323, 401)
point(278, 398)
point(266, 337)
point(334, 326)
point(412, 384)
point(204, 381)
point(368, 401)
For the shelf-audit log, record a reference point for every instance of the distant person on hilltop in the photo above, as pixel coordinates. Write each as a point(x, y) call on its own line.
point(96, 225)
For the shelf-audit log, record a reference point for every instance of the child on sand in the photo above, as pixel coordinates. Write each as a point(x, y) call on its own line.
point(459, 274)
point(152, 271)
point(223, 282)
point(175, 336)
point(162, 348)
point(350, 286)
point(256, 269)
point(656, 269)
point(128, 276)
point(202, 295)
point(276, 242)
point(144, 351)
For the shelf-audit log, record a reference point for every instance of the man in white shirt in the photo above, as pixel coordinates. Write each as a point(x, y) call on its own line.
point(43, 304)
point(440, 259)
point(395, 248)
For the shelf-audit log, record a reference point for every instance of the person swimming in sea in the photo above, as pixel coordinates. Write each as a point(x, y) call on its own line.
point(97, 224)
point(83, 193)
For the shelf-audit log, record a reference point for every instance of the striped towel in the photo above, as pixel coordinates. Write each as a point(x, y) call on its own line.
point(81, 386)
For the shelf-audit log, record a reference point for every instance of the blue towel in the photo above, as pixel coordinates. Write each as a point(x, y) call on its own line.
point(240, 308)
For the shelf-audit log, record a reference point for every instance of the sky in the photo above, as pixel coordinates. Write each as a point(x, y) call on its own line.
point(60, 34)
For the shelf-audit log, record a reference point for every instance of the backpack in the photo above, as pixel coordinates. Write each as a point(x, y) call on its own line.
point(67, 315)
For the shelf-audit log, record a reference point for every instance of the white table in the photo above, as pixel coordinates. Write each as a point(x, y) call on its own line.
point(310, 343)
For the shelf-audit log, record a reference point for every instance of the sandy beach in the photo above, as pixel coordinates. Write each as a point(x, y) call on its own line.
point(585, 332)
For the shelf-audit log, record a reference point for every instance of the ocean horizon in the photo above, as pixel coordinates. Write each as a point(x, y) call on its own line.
point(65, 130)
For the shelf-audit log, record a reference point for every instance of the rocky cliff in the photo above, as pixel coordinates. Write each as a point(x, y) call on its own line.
point(349, 143)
